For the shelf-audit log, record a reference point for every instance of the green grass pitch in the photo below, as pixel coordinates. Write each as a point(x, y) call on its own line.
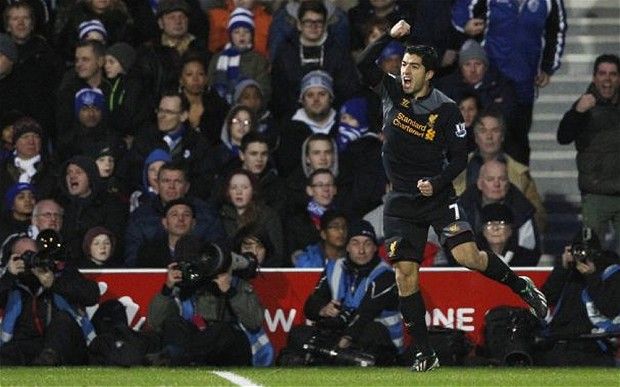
point(320, 376)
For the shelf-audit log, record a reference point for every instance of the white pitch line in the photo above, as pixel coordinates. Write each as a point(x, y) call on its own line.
point(235, 379)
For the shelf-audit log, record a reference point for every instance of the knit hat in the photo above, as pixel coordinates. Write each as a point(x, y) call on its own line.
point(394, 48)
point(358, 109)
point(100, 149)
point(89, 97)
point(317, 78)
point(92, 25)
point(13, 191)
point(26, 125)
point(92, 234)
point(241, 17)
point(239, 87)
point(471, 49)
point(123, 53)
point(363, 228)
point(496, 212)
point(8, 47)
point(167, 6)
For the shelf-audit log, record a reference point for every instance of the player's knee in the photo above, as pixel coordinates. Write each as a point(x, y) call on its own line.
point(468, 255)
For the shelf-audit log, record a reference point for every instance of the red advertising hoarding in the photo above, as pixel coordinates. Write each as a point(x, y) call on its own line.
point(455, 298)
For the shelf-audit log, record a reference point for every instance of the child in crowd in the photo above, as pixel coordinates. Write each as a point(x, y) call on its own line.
point(148, 190)
point(98, 247)
point(248, 93)
point(238, 59)
point(126, 110)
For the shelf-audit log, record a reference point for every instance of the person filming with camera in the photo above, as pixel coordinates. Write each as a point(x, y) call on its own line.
point(354, 308)
point(43, 297)
point(207, 312)
point(585, 290)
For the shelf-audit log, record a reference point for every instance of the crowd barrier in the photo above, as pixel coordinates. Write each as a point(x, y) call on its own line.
point(455, 297)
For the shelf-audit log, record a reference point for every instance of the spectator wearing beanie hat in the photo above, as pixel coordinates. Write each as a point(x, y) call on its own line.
point(475, 77)
point(19, 201)
point(28, 163)
point(218, 24)
point(122, 53)
point(391, 57)
point(361, 181)
point(92, 30)
point(316, 115)
point(125, 101)
point(248, 92)
point(498, 235)
point(238, 59)
point(353, 122)
point(89, 98)
point(98, 248)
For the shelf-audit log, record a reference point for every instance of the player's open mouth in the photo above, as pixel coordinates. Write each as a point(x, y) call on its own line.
point(406, 81)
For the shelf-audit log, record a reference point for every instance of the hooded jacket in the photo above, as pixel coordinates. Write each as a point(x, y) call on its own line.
point(81, 214)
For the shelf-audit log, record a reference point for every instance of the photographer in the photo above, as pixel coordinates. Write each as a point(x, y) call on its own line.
point(206, 313)
point(42, 297)
point(585, 290)
point(354, 307)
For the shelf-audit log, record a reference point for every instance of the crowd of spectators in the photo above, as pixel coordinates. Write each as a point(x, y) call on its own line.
point(130, 126)
point(246, 114)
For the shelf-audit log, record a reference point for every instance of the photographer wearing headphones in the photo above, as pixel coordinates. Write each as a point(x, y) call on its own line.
point(354, 307)
point(207, 312)
point(585, 290)
point(44, 323)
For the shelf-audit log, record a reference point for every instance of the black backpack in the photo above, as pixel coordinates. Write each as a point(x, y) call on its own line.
point(451, 345)
point(116, 343)
point(509, 334)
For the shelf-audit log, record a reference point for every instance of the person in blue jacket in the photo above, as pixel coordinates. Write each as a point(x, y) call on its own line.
point(524, 41)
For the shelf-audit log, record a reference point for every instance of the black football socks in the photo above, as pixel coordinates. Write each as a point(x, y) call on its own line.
point(413, 310)
point(498, 270)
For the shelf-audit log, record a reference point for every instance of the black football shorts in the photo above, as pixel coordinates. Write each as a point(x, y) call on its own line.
point(407, 217)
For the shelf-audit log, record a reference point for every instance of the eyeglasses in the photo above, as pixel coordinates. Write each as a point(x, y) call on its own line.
point(167, 112)
point(312, 23)
point(496, 224)
point(50, 215)
point(237, 121)
point(322, 185)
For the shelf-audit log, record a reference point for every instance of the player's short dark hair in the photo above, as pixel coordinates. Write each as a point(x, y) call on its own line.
point(606, 58)
point(252, 137)
point(430, 59)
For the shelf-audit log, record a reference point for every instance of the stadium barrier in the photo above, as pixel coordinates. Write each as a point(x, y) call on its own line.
point(455, 297)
